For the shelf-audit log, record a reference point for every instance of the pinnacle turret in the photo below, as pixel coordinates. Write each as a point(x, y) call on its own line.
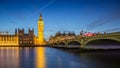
point(40, 17)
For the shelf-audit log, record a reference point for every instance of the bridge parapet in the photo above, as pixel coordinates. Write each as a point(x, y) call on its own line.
point(83, 40)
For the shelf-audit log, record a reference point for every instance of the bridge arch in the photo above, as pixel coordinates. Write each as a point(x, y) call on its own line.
point(103, 41)
point(61, 43)
point(55, 44)
point(74, 42)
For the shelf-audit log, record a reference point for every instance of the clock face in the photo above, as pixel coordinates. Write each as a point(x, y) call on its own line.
point(40, 24)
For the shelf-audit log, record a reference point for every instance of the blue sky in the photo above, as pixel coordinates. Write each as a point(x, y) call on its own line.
point(60, 15)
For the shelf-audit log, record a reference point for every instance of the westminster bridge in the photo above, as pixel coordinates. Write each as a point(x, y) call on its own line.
point(72, 40)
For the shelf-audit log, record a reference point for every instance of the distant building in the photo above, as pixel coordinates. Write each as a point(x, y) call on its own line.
point(6, 39)
point(4, 33)
point(20, 38)
point(39, 40)
point(26, 38)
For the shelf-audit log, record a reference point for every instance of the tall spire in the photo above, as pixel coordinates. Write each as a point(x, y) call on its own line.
point(40, 17)
point(40, 31)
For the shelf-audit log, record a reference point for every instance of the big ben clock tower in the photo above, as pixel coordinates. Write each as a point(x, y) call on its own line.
point(41, 31)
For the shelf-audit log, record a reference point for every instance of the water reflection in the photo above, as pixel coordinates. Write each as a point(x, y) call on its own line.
point(40, 59)
point(61, 59)
point(15, 57)
point(9, 57)
point(43, 57)
point(27, 57)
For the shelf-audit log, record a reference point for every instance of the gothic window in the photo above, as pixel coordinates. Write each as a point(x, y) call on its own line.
point(20, 41)
point(30, 42)
point(20, 33)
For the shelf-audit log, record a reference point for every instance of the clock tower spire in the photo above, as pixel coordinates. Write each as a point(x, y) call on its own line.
point(40, 31)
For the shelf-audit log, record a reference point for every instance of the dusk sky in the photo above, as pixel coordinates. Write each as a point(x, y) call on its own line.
point(60, 15)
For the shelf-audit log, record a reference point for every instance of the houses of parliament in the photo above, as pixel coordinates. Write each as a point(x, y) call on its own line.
point(20, 38)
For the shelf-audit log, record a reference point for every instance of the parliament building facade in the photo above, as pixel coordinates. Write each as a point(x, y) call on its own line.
point(20, 38)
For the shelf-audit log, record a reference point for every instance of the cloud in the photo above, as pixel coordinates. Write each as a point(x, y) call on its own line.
point(106, 19)
point(111, 30)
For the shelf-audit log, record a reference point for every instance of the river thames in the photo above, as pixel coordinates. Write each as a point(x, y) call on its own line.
point(45, 57)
